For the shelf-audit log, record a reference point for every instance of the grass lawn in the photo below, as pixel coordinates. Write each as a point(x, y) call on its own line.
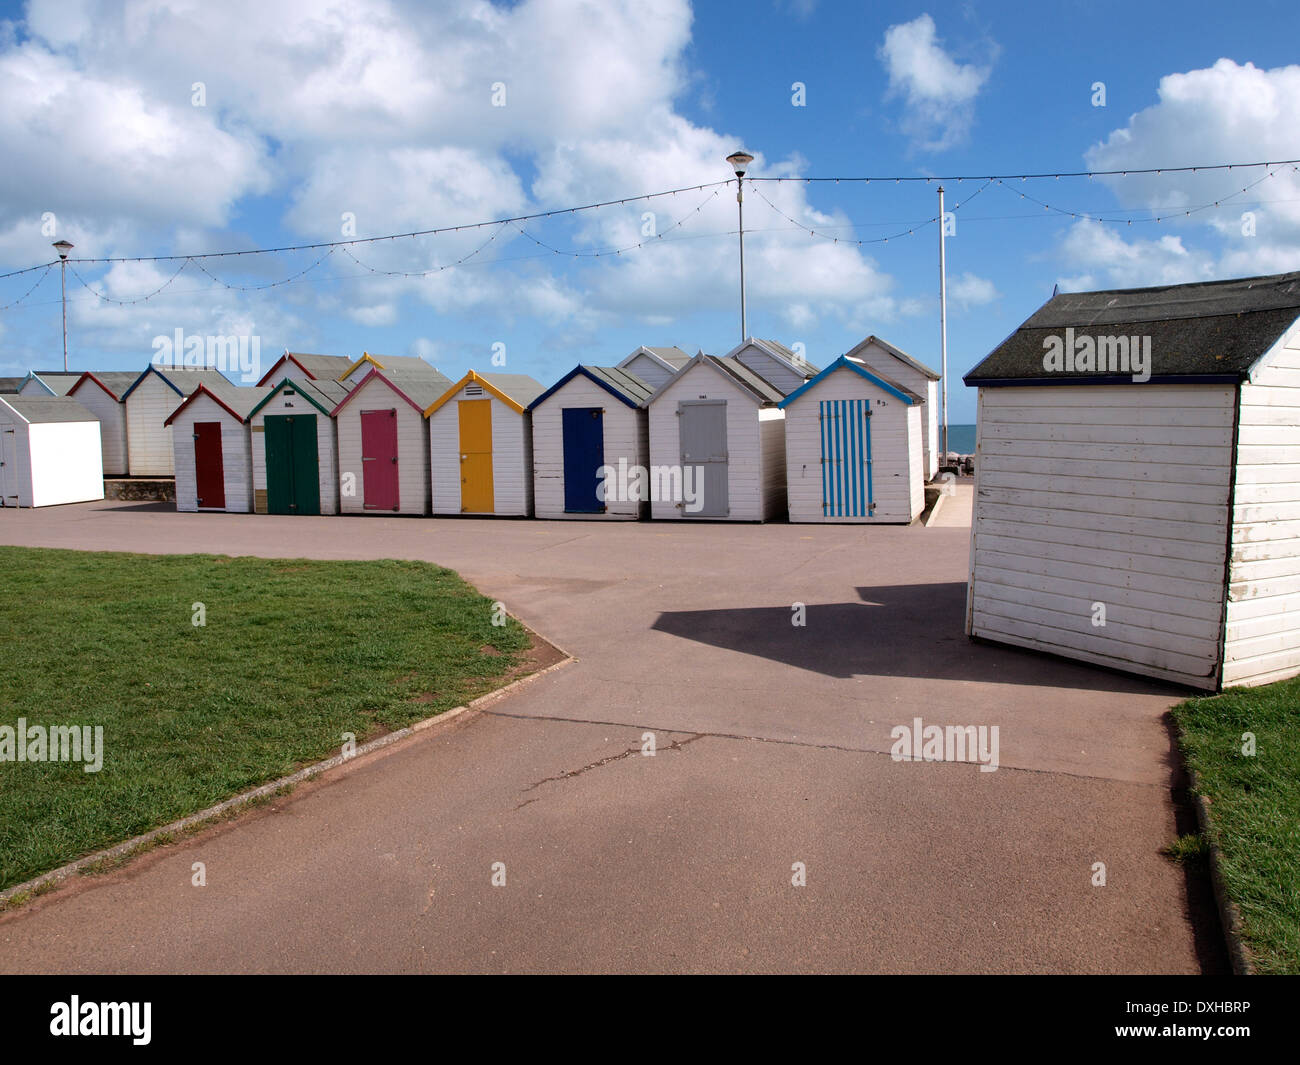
point(1254, 808)
point(294, 653)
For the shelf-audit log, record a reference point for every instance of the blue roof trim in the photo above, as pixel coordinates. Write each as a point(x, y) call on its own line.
point(590, 377)
point(151, 368)
point(844, 363)
point(32, 376)
point(1107, 379)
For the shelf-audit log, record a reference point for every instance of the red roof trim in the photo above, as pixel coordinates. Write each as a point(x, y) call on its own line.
point(90, 376)
point(204, 390)
point(358, 386)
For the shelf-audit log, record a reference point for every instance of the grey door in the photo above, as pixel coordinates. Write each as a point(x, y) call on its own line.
point(8, 468)
point(703, 430)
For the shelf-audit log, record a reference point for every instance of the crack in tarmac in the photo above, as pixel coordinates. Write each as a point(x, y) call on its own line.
point(676, 745)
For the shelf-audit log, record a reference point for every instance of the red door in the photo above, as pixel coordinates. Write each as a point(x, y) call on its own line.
point(379, 459)
point(209, 473)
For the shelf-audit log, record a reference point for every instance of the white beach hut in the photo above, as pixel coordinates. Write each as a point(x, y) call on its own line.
point(654, 365)
point(776, 364)
point(149, 401)
point(213, 461)
point(589, 422)
point(481, 445)
point(49, 452)
point(1137, 493)
point(383, 442)
point(881, 357)
point(101, 394)
point(295, 448)
point(716, 429)
point(300, 366)
point(853, 449)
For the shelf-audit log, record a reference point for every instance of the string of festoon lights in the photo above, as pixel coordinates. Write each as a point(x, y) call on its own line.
point(516, 225)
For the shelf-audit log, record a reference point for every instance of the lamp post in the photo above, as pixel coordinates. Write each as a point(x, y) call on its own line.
point(739, 163)
point(943, 325)
point(63, 247)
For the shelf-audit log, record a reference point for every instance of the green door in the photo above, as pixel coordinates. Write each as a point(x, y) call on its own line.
point(292, 464)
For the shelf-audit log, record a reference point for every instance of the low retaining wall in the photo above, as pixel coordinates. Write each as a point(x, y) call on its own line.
point(141, 489)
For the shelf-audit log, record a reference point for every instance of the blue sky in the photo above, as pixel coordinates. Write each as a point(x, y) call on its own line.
point(384, 112)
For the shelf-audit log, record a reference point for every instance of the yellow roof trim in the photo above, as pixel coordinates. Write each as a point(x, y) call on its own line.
point(471, 378)
point(365, 357)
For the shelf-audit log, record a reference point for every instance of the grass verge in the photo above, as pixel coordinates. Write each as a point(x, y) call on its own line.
point(1254, 806)
point(292, 655)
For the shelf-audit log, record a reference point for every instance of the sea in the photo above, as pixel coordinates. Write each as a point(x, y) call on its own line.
point(961, 438)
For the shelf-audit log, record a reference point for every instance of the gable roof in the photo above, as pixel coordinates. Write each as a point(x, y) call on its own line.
point(11, 384)
point(780, 353)
point(763, 392)
point(316, 367)
point(515, 390)
point(624, 386)
point(177, 376)
point(1207, 332)
point(45, 409)
point(671, 359)
point(114, 382)
point(236, 401)
point(898, 353)
point(845, 362)
point(406, 364)
point(416, 389)
point(56, 382)
point(323, 395)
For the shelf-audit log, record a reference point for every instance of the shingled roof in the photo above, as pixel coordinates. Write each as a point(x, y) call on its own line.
point(1211, 331)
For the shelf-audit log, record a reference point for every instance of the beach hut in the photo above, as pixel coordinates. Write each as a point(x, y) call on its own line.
point(853, 448)
point(881, 357)
point(101, 394)
point(592, 418)
point(299, 366)
point(383, 443)
point(406, 365)
point(213, 463)
point(48, 382)
point(717, 444)
point(481, 445)
point(295, 450)
point(149, 400)
point(774, 363)
point(1137, 482)
point(49, 452)
point(654, 365)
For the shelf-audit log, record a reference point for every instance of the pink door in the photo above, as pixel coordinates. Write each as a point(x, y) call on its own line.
point(379, 459)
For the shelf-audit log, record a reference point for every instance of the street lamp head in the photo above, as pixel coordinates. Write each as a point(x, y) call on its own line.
point(62, 247)
point(740, 162)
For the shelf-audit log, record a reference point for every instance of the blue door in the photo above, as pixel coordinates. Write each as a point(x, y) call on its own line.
point(846, 458)
point(584, 455)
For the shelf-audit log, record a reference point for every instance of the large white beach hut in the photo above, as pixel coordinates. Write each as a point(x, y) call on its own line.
point(853, 448)
point(481, 445)
point(383, 443)
point(213, 463)
point(49, 452)
point(101, 394)
point(590, 422)
point(1137, 495)
point(149, 401)
point(894, 364)
point(718, 425)
point(654, 365)
point(295, 448)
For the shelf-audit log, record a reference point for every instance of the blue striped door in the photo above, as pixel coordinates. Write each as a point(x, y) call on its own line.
point(846, 458)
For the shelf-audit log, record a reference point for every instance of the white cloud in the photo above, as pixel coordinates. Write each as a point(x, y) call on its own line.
point(969, 290)
point(938, 92)
point(1121, 263)
point(1226, 113)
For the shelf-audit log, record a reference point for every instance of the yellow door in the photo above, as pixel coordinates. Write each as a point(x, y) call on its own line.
point(476, 492)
